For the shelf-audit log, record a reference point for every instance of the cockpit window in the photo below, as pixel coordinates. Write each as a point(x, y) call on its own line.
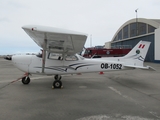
point(71, 58)
point(55, 56)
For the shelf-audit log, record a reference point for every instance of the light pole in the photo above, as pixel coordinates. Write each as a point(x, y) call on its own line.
point(136, 21)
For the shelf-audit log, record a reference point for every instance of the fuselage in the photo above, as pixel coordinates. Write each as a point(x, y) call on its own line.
point(33, 64)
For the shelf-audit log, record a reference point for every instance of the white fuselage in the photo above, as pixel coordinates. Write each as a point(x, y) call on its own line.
point(33, 64)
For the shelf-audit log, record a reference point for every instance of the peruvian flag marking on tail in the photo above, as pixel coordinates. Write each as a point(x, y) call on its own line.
point(142, 46)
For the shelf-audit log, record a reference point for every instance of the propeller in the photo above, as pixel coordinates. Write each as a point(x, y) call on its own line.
point(8, 57)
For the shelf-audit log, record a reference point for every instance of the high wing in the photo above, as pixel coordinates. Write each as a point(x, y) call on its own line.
point(56, 40)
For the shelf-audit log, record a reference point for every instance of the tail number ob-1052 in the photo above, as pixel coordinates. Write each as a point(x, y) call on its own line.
point(111, 66)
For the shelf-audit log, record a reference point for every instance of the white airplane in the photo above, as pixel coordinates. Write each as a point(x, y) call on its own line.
point(59, 55)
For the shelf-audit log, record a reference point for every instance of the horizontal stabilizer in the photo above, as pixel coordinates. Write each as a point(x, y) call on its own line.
point(140, 67)
point(151, 68)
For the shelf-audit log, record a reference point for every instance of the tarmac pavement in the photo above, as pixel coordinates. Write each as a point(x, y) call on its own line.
point(116, 95)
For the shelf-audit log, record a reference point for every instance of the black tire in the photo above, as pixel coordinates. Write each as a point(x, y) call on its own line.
point(57, 84)
point(25, 80)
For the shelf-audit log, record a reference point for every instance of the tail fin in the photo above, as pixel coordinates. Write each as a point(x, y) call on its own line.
point(137, 55)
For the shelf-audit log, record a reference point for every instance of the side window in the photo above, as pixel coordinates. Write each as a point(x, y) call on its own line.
point(54, 56)
point(71, 58)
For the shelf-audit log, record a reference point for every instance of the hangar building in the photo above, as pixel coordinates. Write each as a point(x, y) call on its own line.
point(135, 30)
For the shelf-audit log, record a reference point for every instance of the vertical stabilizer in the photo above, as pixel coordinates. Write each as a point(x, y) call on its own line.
point(138, 54)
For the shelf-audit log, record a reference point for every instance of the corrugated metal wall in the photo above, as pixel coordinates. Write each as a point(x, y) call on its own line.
point(133, 42)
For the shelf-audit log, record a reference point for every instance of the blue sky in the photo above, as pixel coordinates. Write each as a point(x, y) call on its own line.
point(99, 18)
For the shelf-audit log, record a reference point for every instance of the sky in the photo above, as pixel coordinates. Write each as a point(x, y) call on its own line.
point(100, 19)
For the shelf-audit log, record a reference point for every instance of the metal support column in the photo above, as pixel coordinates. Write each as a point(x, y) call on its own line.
point(44, 54)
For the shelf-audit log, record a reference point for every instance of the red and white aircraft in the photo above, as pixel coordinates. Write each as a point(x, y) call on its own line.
point(59, 55)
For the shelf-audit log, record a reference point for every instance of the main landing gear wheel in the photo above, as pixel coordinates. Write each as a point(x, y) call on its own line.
point(57, 83)
point(25, 80)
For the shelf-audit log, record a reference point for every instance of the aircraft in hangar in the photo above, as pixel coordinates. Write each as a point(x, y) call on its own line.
point(59, 55)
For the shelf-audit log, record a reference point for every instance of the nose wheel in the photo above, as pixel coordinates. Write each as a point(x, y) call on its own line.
point(26, 80)
point(57, 83)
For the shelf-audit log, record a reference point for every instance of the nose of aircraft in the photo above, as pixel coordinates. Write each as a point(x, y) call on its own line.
point(22, 62)
point(8, 57)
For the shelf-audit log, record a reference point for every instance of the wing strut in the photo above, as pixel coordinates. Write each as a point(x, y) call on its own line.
point(44, 54)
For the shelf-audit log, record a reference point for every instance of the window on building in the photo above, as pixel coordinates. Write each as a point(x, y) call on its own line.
point(120, 35)
point(133, 29)
point(141, 28)
point(151, 29)
point(125, 32)
point(116, 38)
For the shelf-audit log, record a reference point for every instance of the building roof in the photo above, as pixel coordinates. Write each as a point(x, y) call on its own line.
point(156, 20)
point(152, 22)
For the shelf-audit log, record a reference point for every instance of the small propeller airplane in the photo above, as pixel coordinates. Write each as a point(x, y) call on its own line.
point(59, 55)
